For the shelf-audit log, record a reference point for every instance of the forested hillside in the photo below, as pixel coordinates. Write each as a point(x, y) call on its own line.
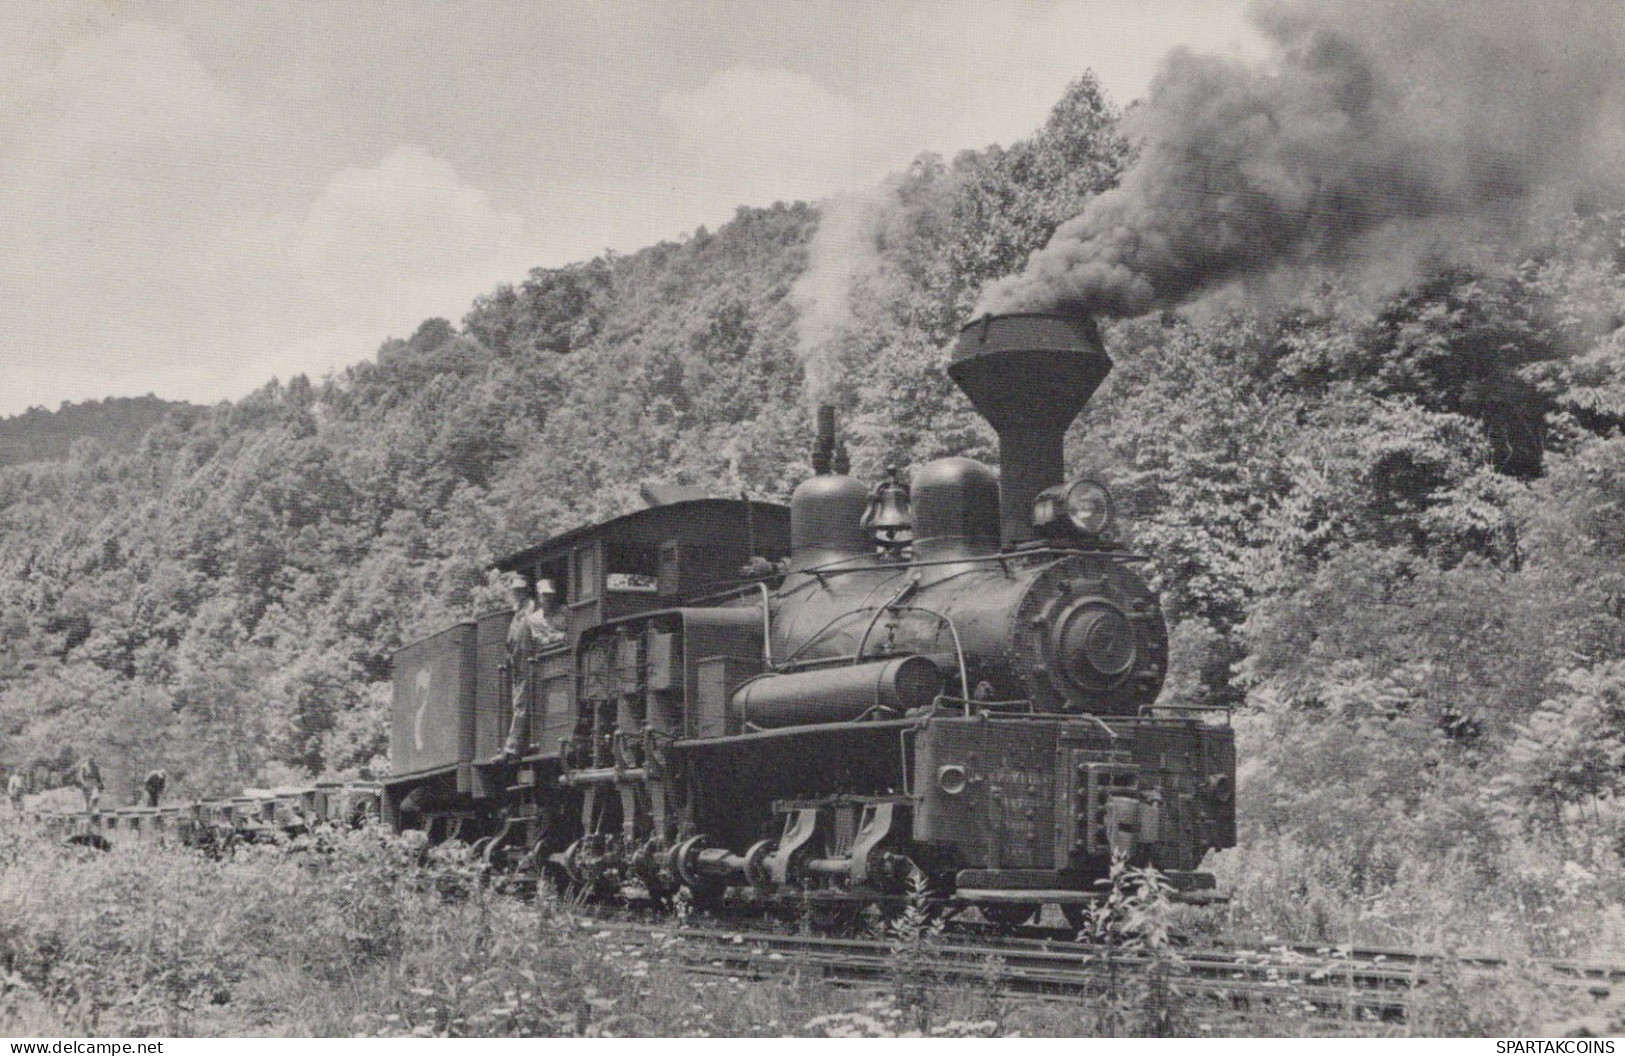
point(39, 435)
point(1389, 529)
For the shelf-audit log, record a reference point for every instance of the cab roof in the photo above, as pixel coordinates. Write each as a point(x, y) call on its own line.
point(694, 521)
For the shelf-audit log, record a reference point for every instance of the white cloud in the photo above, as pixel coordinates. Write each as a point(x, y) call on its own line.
point(123, 222)
point(192, 202)
point(759, 107)
point(968, 73)
point(394, 243)
point(157, 239)
point(753, 136)
point(95, 126)
point(384, 247)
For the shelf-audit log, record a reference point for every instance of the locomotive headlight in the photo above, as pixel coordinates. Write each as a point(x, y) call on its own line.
point(1089, 507)
point(1083, 505)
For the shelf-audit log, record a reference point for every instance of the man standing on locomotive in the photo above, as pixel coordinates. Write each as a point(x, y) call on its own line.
point(154, 786)
point(531, 629)
point(89, 779)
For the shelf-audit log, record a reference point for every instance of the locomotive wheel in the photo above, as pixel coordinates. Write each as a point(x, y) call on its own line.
point(1008, 915)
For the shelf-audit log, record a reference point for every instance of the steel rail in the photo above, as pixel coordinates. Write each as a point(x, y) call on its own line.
point(1346, 982)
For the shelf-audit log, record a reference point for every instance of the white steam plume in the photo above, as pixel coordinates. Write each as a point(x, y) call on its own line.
point(844, 252)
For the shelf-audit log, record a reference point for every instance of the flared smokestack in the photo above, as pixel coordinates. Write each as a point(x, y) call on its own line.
point(1029, 376)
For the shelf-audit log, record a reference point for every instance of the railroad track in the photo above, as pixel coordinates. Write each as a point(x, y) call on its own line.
point(1358, 983)
point(1352, 984)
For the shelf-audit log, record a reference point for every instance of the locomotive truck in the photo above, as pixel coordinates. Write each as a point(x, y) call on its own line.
point(956, 678)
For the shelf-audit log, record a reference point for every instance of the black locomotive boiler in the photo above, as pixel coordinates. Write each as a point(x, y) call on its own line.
point(958, 678)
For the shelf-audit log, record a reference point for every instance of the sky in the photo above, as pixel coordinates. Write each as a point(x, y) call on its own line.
point(196, 197)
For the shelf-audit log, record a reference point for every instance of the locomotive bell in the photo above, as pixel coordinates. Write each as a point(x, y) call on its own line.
point(1029, 376)
point(888, 519)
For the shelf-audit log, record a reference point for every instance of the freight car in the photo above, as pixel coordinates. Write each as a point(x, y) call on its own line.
point(255, 816)
point(956, 677)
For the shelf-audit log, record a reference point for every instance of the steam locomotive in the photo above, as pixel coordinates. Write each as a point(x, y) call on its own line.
point(954, 678)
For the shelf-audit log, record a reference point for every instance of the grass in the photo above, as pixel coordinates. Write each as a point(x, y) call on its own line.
point(377, 935)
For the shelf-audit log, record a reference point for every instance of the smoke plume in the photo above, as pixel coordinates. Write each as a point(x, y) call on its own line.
point(1380, 132)
point(844, 252)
